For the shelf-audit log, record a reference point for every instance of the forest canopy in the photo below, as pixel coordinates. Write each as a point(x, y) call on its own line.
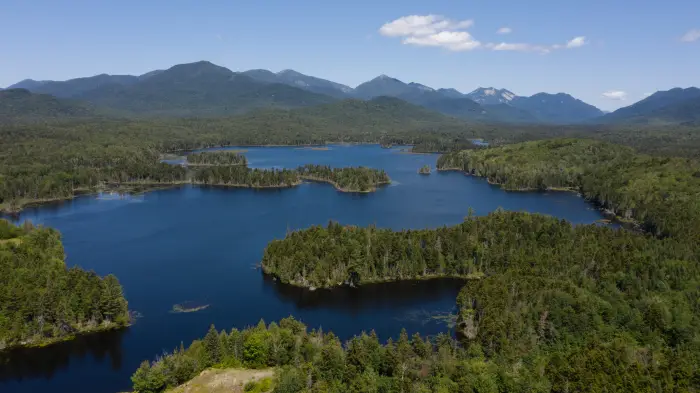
point(221, 157)
point(41, 300)
point(661, 193)
point(359, 179)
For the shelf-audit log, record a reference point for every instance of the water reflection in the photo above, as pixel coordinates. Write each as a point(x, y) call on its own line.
point(28, 363)
point(367, 297)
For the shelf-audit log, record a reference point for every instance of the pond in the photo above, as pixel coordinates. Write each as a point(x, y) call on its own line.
point(196, 245)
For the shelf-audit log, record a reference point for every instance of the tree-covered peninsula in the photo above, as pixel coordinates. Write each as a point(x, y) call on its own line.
point(661, 193)
point(480, 246)
point(220, 157)
point(41, 300)
point(554, 306)
point(359, 179)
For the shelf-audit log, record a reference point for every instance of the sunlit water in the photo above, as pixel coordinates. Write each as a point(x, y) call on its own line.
point(202, 245)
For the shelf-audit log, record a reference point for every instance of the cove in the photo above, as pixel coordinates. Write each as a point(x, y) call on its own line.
point(202, 245)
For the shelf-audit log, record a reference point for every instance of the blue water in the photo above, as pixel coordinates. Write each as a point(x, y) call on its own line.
point(202, 245)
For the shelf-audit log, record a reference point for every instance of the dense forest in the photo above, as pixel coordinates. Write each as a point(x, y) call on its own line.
point(480, 246)
point(222, 157)
point(659, 192)
point(358, 179)
point(316, 361)
point(41, 300)
point(528, 355)
point(241, 176)
point(60, 158)
point(582, 308)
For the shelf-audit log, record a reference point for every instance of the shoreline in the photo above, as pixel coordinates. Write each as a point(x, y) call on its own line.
point(337, 186)
point(385, 280)
point(57, 340)
point(610, 215)
point(229, 185)
point(137, 188)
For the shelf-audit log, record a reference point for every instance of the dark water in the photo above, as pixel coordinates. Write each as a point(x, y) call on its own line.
point(200, 245)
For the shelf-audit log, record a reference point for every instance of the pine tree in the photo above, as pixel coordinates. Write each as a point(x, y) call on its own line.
point(211, 347)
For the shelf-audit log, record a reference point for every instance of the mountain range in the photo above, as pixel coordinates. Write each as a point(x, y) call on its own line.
point(205, 89)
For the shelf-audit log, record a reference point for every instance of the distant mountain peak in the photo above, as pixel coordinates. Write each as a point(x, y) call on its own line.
point(289, 72)
point(675, 105)
point(27, 84)
point(384, 77)
point(492, 96)
point(560, 108)
point(421, 87)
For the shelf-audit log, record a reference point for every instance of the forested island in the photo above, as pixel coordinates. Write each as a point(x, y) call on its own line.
point(241, 176)
point(220, 157)
point(424, 170)
point(358, 179)
point(41, 300)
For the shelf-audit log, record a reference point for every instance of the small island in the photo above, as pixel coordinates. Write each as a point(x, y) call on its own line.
point(358, 179)
point(219, 157)
point(244, 177)
point(424, 170)
point(189, 306)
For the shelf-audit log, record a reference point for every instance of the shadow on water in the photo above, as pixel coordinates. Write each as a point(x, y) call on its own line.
point(366, 297)
point(29, 363)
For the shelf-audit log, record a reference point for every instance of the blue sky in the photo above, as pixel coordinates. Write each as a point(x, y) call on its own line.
point(608, 53)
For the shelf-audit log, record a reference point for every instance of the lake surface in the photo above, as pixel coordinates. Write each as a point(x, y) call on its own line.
point(201, 245)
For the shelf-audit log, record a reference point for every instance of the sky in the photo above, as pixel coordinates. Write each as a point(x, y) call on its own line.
point(609, 53)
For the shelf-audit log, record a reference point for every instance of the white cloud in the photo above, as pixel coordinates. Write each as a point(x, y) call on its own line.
point(452, 40)
point(504, 30)
point(576, 42)
point(617, 95)
point(421, 25)
point(518, 47)
point(438, 31)
point(691, 36)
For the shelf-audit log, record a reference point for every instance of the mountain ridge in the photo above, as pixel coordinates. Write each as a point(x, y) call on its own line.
point(666, 105)
point(220, 91)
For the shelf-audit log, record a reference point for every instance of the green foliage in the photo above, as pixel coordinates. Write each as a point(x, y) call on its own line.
point(222, 157)
point(256, 349)
point(56, 160)
point(241, 176)
point(660, 193)
point(262, 386)
point(213, 347)
point(358, 179)
point(525, 352)
point(41, 300)
point(336, 255)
